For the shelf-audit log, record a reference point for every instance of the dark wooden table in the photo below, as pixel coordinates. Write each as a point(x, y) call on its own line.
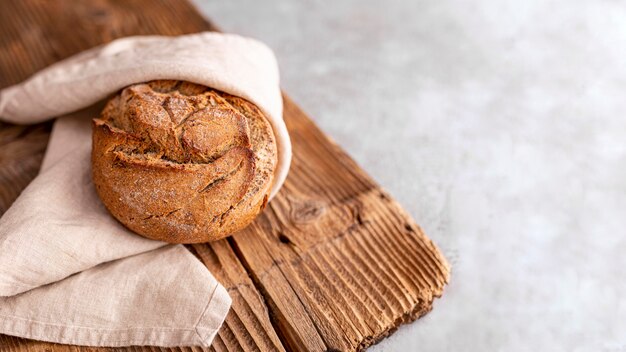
point(332, 264)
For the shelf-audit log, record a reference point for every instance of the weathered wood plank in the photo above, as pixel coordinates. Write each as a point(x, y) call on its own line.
point(247, 325)
point(333, 264)
point(335, 246)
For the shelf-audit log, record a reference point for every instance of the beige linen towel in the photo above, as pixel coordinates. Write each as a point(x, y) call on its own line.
point(69, 272)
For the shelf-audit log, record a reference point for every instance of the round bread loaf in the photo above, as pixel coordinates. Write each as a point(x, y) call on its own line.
point(182, 163)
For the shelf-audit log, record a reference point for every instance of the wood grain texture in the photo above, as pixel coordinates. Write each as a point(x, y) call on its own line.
point(337, 250)
point(333, 264)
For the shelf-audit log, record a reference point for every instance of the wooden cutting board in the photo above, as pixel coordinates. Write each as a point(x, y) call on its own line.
point(332, 264)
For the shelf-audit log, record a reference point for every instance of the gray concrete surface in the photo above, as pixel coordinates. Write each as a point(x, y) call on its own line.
point(501, 127)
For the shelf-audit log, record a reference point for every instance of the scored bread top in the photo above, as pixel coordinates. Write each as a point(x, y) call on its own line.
point(181, 162)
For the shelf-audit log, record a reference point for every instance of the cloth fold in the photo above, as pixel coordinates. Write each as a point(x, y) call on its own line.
point(58, 226)
point(131, 301)
point(69, 272)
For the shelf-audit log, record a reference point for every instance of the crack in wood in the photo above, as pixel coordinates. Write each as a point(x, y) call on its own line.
point(261, 289)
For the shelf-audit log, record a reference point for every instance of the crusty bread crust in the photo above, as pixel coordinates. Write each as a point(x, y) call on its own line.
point(182, 163)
